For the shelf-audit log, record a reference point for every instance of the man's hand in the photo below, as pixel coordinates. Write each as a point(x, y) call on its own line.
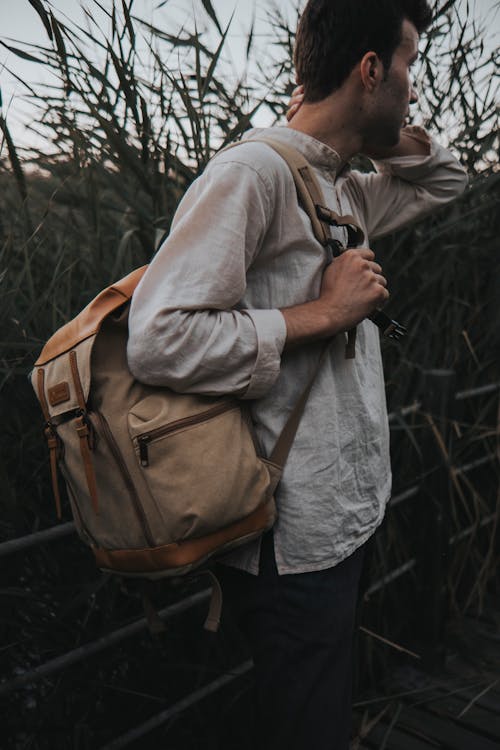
point(295, 102)
point(353, 286)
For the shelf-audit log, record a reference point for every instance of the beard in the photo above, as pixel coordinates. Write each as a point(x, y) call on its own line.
point(385, 129)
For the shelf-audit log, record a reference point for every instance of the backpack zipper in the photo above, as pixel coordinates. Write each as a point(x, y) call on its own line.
point(129, 483)
point(159, 432)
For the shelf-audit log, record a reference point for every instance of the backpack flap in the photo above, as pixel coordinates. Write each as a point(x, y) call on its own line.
point(65, 358)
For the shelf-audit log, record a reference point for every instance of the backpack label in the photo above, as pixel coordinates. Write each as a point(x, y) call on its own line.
point(59, 393)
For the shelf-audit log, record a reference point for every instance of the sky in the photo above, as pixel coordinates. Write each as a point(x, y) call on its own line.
point(20, 22)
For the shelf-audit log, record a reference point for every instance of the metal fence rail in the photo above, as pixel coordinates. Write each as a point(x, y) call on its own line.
point(190, 700)
point(89, 649)
point(38, 537)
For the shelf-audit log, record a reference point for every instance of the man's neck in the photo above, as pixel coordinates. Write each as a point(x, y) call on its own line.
point(331, 122)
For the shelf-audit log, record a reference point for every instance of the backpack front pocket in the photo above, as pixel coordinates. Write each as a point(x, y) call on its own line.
point(201, 469)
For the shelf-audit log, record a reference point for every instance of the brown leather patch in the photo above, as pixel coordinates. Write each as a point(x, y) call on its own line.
point(59, 393)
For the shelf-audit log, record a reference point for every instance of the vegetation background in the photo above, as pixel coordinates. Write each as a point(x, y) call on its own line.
point(133, 118)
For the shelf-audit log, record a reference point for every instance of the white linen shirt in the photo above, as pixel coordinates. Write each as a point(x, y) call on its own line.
point(206, 318)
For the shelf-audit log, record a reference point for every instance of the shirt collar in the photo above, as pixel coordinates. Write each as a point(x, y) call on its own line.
point(317, 153)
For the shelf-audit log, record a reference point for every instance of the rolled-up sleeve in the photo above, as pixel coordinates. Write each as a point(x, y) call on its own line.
point(187, 328)
point(406, 187)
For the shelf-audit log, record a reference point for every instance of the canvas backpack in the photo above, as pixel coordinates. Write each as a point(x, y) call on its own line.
point(158, 481)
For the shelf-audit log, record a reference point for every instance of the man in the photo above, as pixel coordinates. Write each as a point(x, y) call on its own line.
point(240, 299)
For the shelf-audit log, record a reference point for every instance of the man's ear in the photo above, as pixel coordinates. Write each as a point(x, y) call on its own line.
point(371, 71)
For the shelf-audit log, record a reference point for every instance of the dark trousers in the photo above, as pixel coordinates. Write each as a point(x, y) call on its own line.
point(300, 630)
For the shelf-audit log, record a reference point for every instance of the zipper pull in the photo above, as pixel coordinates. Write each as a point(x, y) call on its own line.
point(143, 449)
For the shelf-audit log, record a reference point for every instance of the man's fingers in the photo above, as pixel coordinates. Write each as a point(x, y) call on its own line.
point(379, 276)
point(291, 111)
point(365, 252)
point(296, 100)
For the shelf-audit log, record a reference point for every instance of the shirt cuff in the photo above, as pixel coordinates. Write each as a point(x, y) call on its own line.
point(271, 333)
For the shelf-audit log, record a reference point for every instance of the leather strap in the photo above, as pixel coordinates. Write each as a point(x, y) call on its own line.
point(54, 448)
point(284, 442)
point(212, 622)
point(41, 394)
point(85, 433)
point(73, 362)
point(155, 623)
point(52, 439)
point(350, 347)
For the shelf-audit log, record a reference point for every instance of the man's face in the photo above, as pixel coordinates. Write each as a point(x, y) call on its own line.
point(396, 92)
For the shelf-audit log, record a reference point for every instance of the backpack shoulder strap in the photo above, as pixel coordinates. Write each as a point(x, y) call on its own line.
point(310, 193)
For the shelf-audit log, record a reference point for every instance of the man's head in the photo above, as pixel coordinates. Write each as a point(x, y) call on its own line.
point(334, 35)
point(365, 48)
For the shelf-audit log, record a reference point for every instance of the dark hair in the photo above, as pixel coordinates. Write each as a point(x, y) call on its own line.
point(333, 35)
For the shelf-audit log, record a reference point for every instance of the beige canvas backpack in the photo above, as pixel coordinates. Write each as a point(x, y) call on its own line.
point(158, 481)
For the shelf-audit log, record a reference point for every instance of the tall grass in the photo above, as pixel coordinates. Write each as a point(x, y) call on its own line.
point(135, 116)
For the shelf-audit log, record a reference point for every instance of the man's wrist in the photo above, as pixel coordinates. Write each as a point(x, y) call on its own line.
point(309, 322)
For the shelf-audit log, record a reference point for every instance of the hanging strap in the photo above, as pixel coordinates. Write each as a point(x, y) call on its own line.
point(284, 442)
point(215, 608)
point(52, 438)
point(155, 623)
point(54, 444)
point(85, 433)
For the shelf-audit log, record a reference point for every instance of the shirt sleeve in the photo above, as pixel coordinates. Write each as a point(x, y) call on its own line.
point(187, 328)
point(406, 187)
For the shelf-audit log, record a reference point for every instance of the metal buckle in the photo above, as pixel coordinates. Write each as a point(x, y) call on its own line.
point(335, 246)
point(390, 328)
